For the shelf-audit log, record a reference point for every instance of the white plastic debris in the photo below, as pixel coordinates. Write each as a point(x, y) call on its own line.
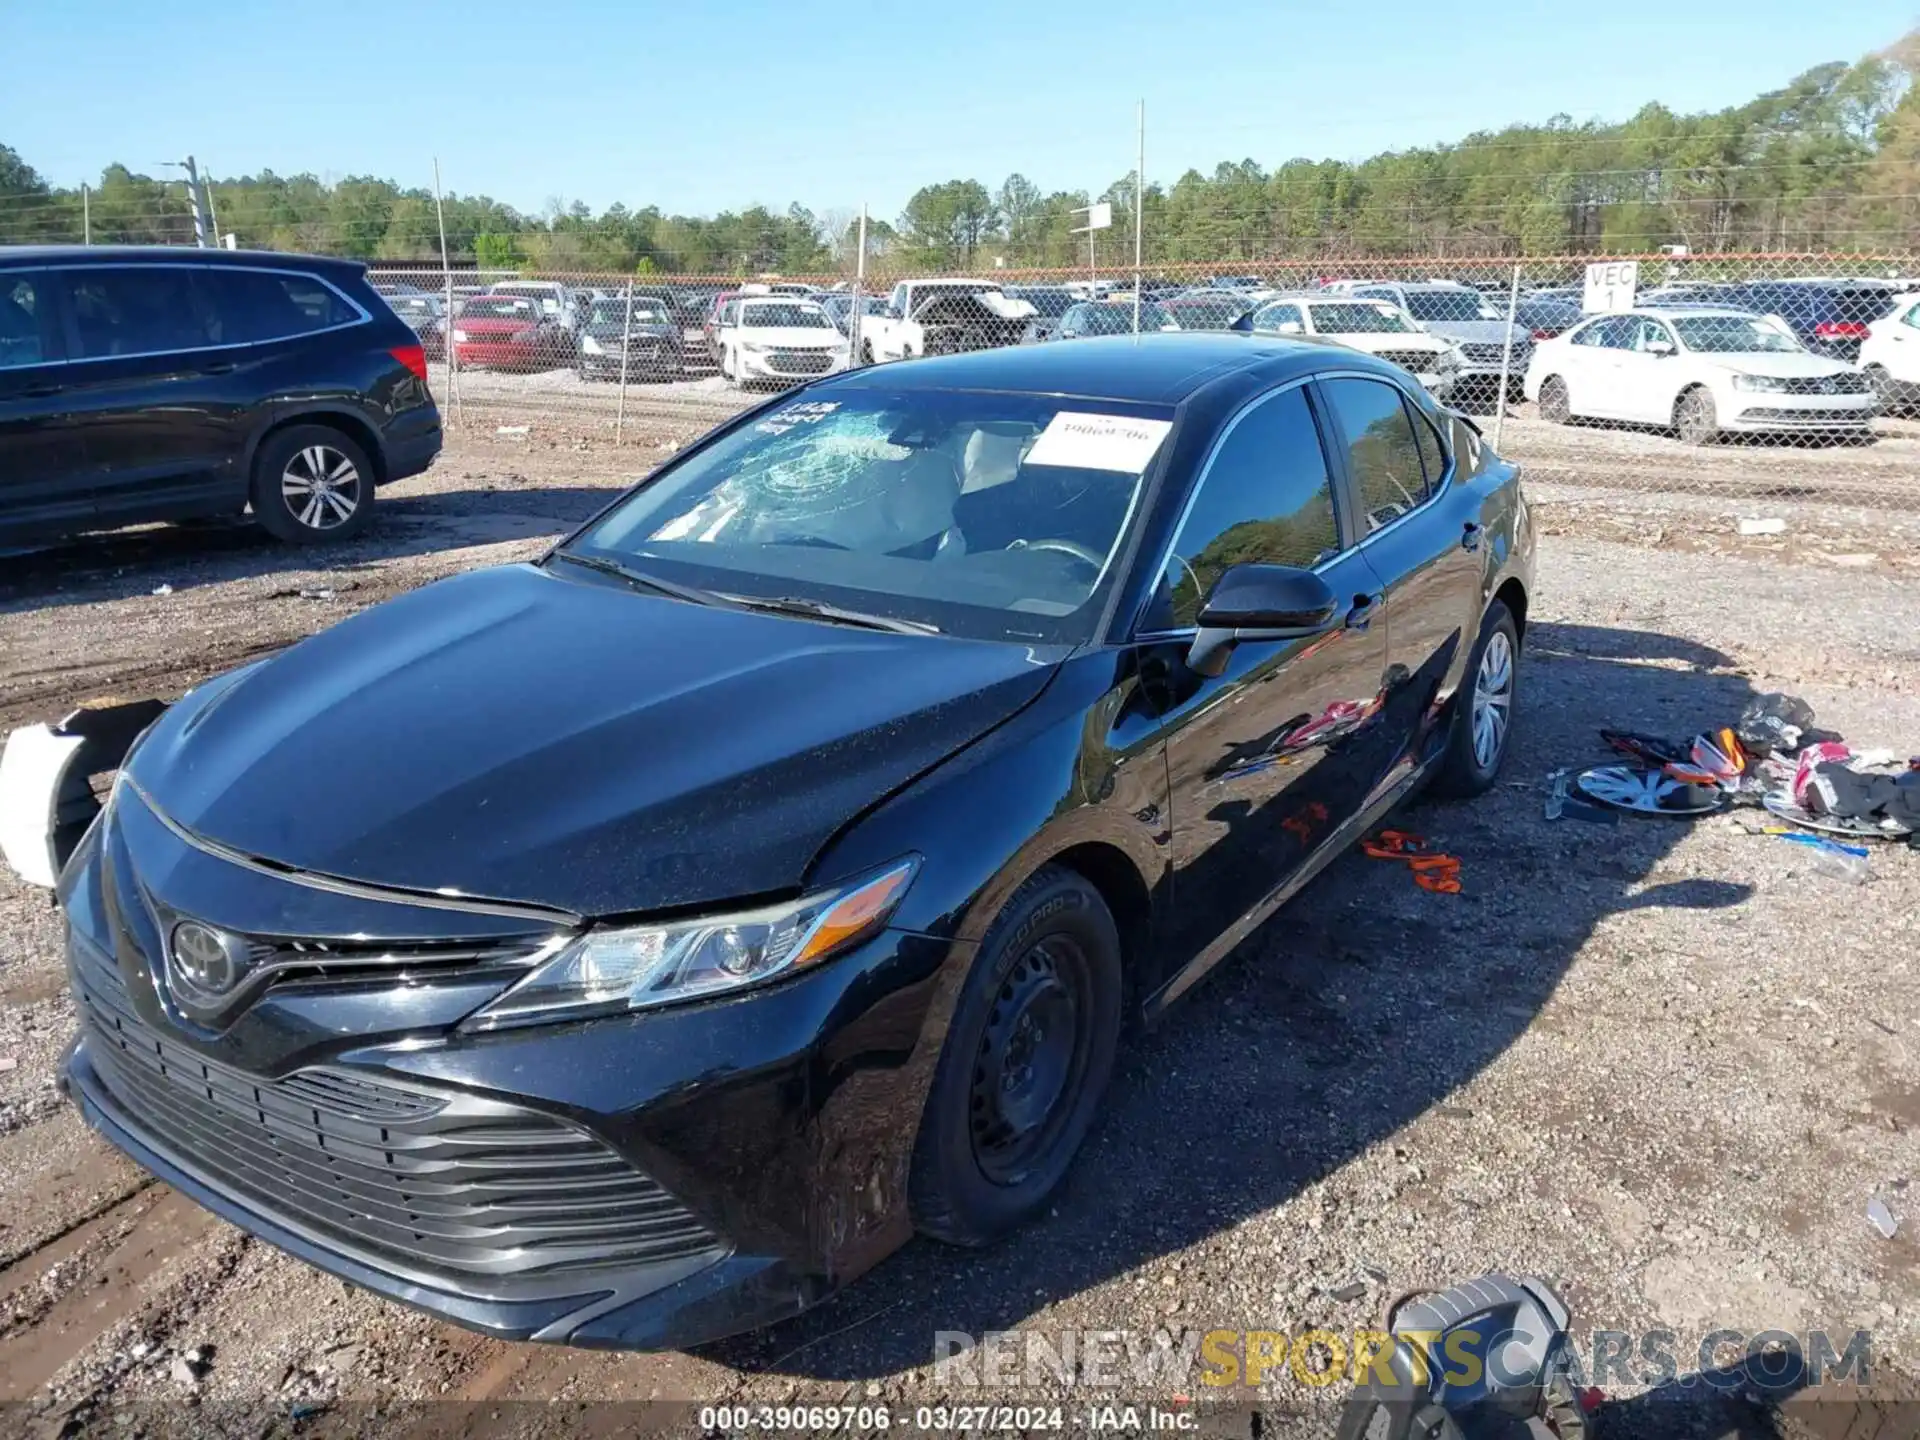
point(512, 429)
point(1881, 1218)
point(163, 589)
point(1772, 525)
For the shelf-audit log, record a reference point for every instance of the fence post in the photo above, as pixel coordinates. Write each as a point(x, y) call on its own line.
point(1506, 360)
point(859, 286)
point(86, 216)
point(626, 344)
point(446, 328)
point(1139, 213)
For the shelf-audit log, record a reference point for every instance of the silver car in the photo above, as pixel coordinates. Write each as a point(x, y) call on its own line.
point(1474, 326)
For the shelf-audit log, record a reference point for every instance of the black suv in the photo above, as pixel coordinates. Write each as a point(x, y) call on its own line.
point(144, 383)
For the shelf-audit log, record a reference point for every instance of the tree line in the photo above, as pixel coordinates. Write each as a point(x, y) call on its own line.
point(1827, 163)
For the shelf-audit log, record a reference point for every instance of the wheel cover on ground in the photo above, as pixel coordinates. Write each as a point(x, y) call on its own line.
point(1492, 700)
point(320, 487)
point(1031, 1061)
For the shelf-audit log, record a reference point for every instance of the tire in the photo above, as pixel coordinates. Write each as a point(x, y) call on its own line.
point(1468, 767)
point(1694, 417)
point(283, 493)
point(1043, 1002)
point(866, 352)
point(1556, 406)
point(1887, 391)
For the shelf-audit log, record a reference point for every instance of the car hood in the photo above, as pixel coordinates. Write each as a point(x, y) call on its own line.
point(1795, 364)
point(1478, 332)
point(1374, 344)
point(639, 330)
point(524, 735)
point(795, 337)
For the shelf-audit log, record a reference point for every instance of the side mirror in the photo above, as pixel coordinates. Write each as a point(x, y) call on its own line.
point(1289, 327)
point(1259, 602)
point(1242, 323)
point(1661, 348)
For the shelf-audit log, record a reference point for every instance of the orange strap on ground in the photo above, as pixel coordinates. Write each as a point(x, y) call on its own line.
point(1431, 870)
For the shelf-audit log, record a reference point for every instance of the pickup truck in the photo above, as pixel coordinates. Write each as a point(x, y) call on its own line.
point(941, 317)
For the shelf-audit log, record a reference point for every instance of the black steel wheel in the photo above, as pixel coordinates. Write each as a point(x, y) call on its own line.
point(1026, 1061)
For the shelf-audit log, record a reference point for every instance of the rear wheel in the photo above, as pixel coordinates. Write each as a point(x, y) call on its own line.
point(1026, 1060)
point(1556, 406)
point(1483, 710)
point(310, 483)
point(1694, 416)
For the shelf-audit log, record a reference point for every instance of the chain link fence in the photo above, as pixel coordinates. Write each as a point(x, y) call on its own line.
point(1728, 374)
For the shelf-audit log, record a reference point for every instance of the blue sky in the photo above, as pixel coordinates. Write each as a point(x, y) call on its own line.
point(698, 107)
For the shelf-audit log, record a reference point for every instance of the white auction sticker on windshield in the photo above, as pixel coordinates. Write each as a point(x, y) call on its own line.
point(1086, 441)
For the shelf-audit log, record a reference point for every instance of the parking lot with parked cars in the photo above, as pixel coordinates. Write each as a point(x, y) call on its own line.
point(361, 945)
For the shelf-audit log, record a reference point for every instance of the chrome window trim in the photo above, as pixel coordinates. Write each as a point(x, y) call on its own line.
point(354, 305)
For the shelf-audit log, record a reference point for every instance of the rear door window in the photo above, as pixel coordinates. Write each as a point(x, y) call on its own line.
point(136, 310)
point(251, 306)
point(1383, 455)
point(26, 333)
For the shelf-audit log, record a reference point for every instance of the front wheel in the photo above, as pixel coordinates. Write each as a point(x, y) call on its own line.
point(1026, 1060)
point(1694, 416)
point(1483, 709)
point(311, 483)
point(1887, 390)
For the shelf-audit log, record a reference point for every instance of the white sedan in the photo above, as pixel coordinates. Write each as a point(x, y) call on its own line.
point(1701, 371)
point(774, 337)
point(1891, 355)
point(1376, 326)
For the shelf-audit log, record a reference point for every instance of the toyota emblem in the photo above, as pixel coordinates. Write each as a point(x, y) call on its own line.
point(204, 963)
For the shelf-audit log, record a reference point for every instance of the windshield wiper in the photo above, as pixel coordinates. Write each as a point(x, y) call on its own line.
point(820, 610)
point(650, 582)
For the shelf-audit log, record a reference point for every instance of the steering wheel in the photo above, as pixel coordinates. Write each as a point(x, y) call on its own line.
point(1065, 547)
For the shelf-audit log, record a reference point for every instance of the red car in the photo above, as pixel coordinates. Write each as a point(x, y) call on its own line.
point(711, 328)
point(509, 332)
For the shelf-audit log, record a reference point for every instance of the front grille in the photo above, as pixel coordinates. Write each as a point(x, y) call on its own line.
point(1490, 354)
point(447, 1182)
point(1420, 362)
point(1826, 385)
point(1781, 416)
point(801, 362)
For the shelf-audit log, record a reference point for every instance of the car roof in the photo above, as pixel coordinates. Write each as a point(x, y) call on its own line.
point(1159, 369)
point(166, 255)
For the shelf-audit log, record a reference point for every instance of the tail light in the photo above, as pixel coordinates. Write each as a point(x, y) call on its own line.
point(1541, 332)
point(1840, 330)
point(414, 357)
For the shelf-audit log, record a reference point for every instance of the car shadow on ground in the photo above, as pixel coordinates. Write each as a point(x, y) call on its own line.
point(112, 566)
point(1361, 1006)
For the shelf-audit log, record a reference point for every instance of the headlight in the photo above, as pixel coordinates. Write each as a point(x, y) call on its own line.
point(610, 972)
point(754, 345)
point(590, 346)
point(1759, 382)
point(460, 335)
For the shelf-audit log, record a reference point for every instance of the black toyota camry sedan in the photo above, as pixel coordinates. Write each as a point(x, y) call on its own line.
point(629, 947)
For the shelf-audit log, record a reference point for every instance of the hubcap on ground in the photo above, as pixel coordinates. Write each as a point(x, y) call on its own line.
point(1492, 696)
point(1029, 1060)
point(321, 487)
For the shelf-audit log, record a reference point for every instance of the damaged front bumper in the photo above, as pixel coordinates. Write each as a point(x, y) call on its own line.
point(46, 790)
point(649, 1180)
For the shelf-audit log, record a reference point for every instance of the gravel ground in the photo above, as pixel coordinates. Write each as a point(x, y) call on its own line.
point(1664, 1065)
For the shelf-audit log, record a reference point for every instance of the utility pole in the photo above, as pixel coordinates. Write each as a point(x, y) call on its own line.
point(1139, 213)
point(196, 197)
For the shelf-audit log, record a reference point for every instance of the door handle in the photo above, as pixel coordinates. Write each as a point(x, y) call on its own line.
point(40, 392)
point(1365, 607)
point(223, 367)
point(1470, 536)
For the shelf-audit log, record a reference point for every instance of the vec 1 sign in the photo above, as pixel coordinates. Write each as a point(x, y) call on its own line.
point(1611, 285)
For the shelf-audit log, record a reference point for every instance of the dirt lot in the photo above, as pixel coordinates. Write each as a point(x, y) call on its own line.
point(1665, 1066)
